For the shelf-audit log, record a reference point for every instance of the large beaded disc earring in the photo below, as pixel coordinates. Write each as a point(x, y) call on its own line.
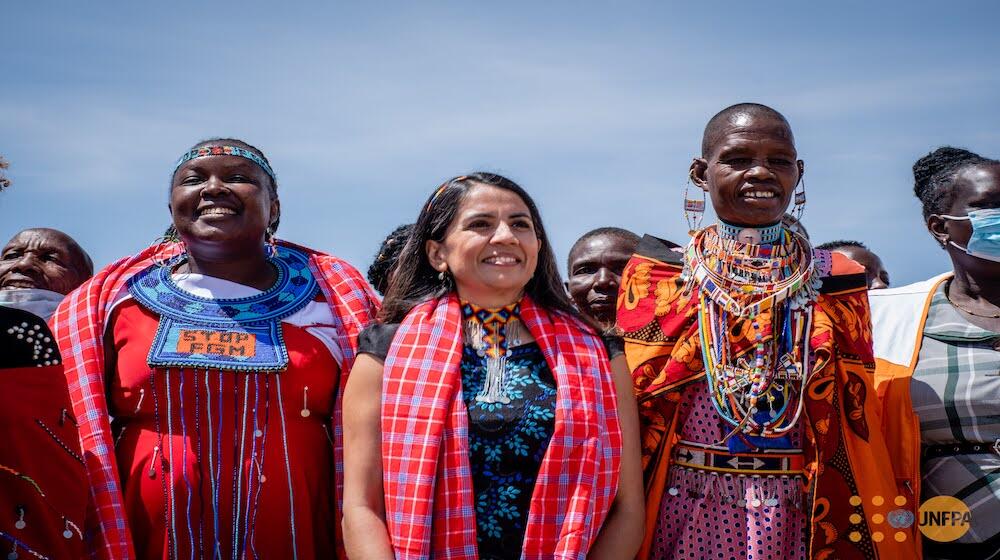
point(694, 209)
point(800, 199)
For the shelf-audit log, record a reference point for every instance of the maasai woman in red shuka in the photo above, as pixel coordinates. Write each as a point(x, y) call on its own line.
point(752, 360)
point(483, 418)
point(221, 358)
point(43, 488)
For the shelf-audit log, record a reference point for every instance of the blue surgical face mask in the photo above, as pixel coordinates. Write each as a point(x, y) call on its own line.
point(985, 240)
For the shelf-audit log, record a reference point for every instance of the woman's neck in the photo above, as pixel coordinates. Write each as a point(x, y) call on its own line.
point(985, 292)
point(490, 300)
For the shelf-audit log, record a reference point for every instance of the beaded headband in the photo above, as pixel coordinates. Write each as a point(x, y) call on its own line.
point(226, 151)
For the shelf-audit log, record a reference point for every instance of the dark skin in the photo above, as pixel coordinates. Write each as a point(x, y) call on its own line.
point(221, 206)
point(976, 285)
point(595, 272)
point(875, 272)
point(750, 170)
point(43, 258)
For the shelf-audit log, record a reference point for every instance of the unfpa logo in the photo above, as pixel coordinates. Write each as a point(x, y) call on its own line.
point(944, 518)
point(886, 519)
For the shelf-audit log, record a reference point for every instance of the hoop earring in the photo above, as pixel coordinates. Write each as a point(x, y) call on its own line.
point(169, 236)
point(694, 209)
point(800, 199)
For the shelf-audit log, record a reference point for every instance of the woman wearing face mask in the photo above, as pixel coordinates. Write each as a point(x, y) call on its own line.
point(483, 418)
point(937, 345)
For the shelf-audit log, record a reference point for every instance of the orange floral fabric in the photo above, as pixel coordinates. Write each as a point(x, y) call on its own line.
point(848, 472)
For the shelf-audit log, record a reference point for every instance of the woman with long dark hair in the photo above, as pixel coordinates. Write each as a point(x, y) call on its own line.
point(484, 418)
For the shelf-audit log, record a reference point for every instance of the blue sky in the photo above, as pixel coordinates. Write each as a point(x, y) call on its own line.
point(595, 108)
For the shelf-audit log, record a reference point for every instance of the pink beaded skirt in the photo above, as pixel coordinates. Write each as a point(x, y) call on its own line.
point(708, 515)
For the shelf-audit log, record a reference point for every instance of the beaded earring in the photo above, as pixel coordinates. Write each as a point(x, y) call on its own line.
point(445, 278)
point(272, 247)
point(800, 200)
point(169, 236)
point(694, 209)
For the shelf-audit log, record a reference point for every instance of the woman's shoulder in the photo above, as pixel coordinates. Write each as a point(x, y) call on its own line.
point(376, 339)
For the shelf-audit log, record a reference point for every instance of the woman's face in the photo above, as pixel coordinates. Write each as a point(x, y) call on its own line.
point(751, 171)
point(490, 248)
point(976, 188)
point(222, 202)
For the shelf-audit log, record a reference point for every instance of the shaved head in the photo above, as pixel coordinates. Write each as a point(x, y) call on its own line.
point(741, 116)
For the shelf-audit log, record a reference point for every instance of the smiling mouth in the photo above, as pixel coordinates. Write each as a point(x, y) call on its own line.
point(759, 195)
point(20, 282)
point(216, 211)
point(501, 260)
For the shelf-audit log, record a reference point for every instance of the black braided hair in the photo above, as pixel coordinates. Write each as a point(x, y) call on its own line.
point(385, 259)
point(934, 177)
point(841, 244)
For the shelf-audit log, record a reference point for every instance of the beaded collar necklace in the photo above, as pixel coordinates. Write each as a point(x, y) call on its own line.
point(492, 333)
point(769, 288)
point(746, 279)
point(239, 334)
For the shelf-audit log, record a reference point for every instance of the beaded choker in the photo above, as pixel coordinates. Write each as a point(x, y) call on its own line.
point(767, 234)
point(492, 333)
point(754, 320)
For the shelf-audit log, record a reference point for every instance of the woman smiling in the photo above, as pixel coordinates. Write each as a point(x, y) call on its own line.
point(483, 418)
point(752, 354)
point(219, 356)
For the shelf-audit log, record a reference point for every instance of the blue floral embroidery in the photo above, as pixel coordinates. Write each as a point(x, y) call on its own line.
point(506, 445)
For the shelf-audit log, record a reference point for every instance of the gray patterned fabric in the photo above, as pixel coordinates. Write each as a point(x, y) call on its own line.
point(956, 394)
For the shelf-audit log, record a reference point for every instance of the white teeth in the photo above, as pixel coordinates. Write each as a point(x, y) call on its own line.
point(217, 211)
point(760, 194)
point(501, 260)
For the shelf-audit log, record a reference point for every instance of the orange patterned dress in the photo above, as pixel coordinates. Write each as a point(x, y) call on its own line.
point(844, 472)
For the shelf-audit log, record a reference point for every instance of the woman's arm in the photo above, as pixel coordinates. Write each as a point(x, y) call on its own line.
point(622, 533)
point(365, 533)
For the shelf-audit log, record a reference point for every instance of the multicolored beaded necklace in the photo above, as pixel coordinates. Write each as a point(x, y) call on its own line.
point(492, 333)
point(772, 285)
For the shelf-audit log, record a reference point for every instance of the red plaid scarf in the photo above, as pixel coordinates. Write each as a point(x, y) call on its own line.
point(79, 325)
point(425, 448)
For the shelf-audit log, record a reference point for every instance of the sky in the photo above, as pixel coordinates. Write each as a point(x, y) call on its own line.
point(595, 108)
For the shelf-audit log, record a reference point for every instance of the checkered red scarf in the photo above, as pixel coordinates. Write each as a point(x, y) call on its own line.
point(79, 325)
point(425, 449)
